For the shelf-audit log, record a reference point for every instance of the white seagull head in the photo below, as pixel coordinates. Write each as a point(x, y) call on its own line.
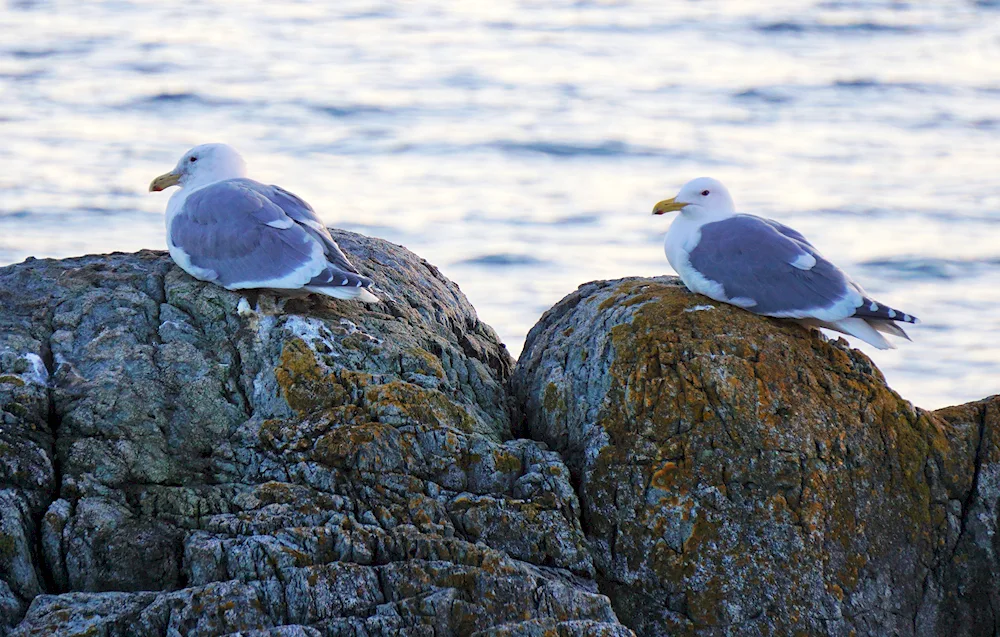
point(203, 165)
point(701, 197)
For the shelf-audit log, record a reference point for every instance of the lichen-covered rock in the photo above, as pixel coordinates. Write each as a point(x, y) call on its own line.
point(744, 476)
point(170, 465)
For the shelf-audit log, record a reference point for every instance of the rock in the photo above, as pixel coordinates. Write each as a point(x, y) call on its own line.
point(176, 461)
point(742, 475)
point(173, 461)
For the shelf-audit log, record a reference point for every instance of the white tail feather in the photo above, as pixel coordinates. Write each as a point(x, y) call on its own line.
point(859, 328)
point(889, 327)
point(346, 292)
point(368, 297)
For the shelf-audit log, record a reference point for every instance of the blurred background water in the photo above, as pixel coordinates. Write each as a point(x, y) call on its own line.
point(520, 146)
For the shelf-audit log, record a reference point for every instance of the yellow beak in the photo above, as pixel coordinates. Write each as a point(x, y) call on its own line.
point(165, 180)
point(667, 205)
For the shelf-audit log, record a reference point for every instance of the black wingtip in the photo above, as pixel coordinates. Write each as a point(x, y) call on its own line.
point(331, 278)
point(875, 310)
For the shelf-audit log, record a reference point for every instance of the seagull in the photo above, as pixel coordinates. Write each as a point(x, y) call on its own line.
point(766, 267)
point(242, 234)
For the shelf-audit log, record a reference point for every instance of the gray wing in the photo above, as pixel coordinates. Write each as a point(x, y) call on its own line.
point(869, 309)
point(791, 233)
point(235, 234)
point(771, 269)
point(304, 215)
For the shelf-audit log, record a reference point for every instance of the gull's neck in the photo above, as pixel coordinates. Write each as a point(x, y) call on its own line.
point(700, 215)
point(211, 175)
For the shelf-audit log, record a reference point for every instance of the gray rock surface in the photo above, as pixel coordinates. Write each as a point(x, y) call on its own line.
point(742, 476)
point(170, 466)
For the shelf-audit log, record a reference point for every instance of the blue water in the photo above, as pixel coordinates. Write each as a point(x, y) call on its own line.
point(520, 145)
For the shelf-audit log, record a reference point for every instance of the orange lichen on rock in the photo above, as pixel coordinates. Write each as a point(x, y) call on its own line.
point(306, 385)
point(808, 484)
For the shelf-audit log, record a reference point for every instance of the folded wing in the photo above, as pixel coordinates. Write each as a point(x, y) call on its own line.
point(772, 273)
point(242, 234)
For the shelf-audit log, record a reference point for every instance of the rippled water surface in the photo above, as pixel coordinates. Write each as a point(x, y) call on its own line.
point(521, 146)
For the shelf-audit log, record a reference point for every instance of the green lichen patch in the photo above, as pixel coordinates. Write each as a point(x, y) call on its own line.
point(11, 380)
point(421, 361)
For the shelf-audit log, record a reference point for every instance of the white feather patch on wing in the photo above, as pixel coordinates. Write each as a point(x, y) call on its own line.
point(315, 226)
point(743, 301)
point(804, 261)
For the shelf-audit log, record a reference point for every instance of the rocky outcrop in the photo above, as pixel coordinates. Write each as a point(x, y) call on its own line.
point(744, 476)
point(174, 462)
point(172, 465)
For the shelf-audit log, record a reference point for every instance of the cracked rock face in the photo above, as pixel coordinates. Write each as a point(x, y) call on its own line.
point(173, 463)
point(743, 476)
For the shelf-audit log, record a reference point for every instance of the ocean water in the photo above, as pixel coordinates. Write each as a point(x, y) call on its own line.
point(520, 146)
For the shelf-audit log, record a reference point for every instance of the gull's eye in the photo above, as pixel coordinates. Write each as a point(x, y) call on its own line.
point(704, 193)
point(194, 159)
